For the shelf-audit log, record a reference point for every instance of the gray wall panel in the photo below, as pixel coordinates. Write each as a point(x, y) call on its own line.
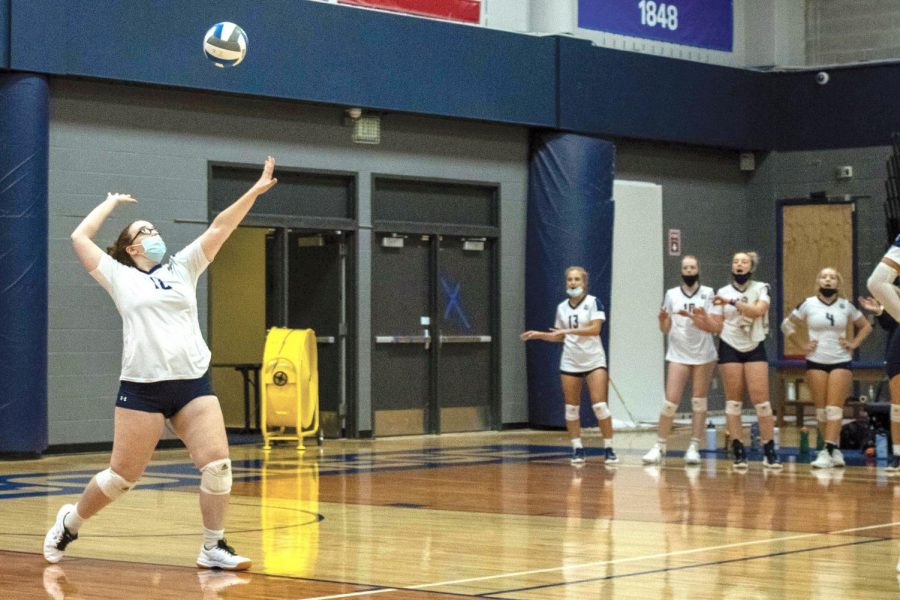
point(157, 144)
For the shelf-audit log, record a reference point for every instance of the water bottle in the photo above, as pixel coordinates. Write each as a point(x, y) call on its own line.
point(881, 449)
point(754, 436)
point(820, 439)
point(776, 436)
point(804, 441)
point(710, 436)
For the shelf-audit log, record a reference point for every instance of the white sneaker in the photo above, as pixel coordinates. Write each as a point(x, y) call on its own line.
point(654, 456)
point(823, 460)
point(222, 556)
point(692, 456)
point(58, 537)
point(837, 459)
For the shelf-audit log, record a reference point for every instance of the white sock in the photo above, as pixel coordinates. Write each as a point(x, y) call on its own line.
point(211, 537)
point(576, 443)
point(896, 448)
point(695, 442)
point(73, 521)
point(661, 443)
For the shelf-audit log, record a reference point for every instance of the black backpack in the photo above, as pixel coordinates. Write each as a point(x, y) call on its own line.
point(857, 435)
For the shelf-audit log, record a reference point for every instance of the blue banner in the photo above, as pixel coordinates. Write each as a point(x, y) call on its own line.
point(702, 23)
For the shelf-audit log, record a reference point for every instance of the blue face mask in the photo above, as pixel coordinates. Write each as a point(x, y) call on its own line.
point(574, 293)
point(154, 248)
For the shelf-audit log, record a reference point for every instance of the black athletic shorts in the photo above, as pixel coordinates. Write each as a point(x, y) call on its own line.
point(166, 397)
point(892, 355)
point(727, 354)
point(582, 374)
point(810, 365)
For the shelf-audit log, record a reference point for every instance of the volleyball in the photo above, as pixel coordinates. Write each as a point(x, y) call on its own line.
point(225, 44)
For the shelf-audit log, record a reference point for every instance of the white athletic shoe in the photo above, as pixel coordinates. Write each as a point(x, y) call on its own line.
point(654, 456)
point(58, 537)
point(823, 460)
point(222, 556)
point(837, 459)
point(692, 456)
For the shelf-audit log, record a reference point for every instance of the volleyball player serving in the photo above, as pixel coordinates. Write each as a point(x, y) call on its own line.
point(165, 368)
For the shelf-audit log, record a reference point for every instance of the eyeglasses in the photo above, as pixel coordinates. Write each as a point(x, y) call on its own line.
point(146, 231)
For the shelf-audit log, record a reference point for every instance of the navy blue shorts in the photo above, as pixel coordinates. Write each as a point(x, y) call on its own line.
point(581, 374)
point(892, 355)
point(166, 397)
point(810, 365)
point(727, 354)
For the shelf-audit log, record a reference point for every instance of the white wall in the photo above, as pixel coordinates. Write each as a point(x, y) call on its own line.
point(636, 357)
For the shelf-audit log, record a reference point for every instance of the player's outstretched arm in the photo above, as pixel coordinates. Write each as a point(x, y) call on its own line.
point(228, 220)
point(87, 251)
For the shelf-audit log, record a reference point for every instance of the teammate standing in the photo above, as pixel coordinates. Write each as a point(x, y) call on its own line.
point(828, 356)
point(691, 354)
point(740, 317)
point(578, 323)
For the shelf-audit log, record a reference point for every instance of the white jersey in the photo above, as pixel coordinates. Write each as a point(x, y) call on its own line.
point(743, 333)
point(689, 345)
point(893, 252)
point(160, 329)
point(827, 324)
point(580, 352)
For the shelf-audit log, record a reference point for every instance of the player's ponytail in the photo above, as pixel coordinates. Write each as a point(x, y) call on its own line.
point(119, 249)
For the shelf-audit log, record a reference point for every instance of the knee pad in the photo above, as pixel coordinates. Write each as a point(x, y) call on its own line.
point(668, 409)
point(733, 408)
point(572, 412)
point(699, 404)
point(215, 477)
point(764, 409)
point(821, 414)
point(895, 413)
point(112, 484)
point(834, 413)
point(601, 411)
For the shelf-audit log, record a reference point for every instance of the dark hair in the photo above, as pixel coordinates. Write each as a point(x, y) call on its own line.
point(118, 249)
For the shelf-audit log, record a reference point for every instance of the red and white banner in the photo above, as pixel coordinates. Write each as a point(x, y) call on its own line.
point(467, 11)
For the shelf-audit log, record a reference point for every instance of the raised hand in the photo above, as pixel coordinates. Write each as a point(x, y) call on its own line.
point(266, 180)
point(870, 304)
point(120, 198)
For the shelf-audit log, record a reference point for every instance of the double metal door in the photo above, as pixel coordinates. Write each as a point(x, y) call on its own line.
point(433, 359)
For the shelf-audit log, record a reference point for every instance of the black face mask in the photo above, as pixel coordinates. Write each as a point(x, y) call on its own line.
point(826, 292)
point(741, 279)
point(690, 280)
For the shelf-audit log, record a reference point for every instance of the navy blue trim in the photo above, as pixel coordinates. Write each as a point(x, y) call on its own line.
point(151, 271)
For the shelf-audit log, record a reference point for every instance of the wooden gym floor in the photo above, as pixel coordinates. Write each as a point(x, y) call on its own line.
point(491, 515)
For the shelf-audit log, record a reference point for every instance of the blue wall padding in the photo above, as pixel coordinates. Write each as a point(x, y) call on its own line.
point(24, 147)
point(570, 222)
point(4, 34)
